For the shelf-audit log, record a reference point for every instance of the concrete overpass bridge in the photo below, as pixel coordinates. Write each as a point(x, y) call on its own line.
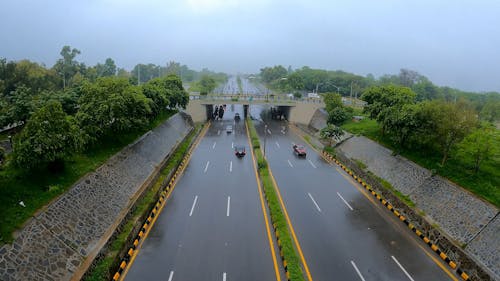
point(300, 111)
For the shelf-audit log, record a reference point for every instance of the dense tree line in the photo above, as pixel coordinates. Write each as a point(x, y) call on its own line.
point(306, 79)
point(440, 126)
point(71, 107)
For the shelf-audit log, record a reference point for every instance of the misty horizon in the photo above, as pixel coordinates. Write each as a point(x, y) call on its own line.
point(452, 43)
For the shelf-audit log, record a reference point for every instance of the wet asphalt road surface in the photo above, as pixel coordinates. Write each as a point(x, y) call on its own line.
point(212, 227)
point(342, 234)
point(231, 87)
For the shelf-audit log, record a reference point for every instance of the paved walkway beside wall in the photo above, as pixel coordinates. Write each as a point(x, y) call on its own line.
point(468, 220)
point(57, 241)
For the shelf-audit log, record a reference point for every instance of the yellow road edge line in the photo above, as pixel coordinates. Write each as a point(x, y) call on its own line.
point(259, 186)
point(150, 226)
point(297, 244)
point(351, 181)
point(436, 261)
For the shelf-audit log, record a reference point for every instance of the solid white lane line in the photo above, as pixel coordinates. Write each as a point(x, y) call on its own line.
point(206, 167)
point(345, 201)
point(171, 275)
point(224, 276)
point(357, 270)
point(194, 204)
point(231, 166)
point(213, 146)
point(312, 164)
point(402, 268)
point(277, 144)
point(290, 163)
point(228, 205)
point(232, 144)
point(314, 201)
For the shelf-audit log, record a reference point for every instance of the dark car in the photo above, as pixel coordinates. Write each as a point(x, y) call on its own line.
point(237, 117)
point(239, 151)
point(300, 150)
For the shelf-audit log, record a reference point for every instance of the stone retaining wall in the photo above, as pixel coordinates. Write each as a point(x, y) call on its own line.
point(465, 219)
point(57, 241)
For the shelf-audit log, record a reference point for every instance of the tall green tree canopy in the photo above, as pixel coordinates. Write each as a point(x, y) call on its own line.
point(380, 100)
point(447, 124)
point(67, 66)
point(50, 135)
point(269, 74)
point(207, 84)
point(479, 146)
point(111, 105)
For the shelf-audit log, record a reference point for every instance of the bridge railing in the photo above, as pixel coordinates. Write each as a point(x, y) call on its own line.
point(253, 98)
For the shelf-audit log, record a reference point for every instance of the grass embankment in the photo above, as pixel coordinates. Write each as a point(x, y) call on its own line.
point(102, 271)
point(485, 184)
point(39, 187)
point(277, 217)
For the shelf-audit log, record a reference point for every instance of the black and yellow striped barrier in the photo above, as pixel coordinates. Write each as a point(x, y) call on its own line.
point(126, 261)
point(426, 240)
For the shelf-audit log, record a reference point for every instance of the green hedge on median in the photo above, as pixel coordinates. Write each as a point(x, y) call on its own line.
point(277, 216)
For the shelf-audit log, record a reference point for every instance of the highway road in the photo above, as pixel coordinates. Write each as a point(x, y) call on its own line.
point(231, 87)
point(212, 227)
point(342, 234)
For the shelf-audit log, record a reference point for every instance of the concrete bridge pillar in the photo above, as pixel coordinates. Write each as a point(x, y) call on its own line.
point(210, 111)
point(245, 110)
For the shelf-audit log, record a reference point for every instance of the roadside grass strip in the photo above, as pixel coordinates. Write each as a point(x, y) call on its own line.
point(329, 158)
point(111, 261)
point(289, 257)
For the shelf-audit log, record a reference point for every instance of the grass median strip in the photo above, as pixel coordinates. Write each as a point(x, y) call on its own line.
point(288, 254)
point(105, 267)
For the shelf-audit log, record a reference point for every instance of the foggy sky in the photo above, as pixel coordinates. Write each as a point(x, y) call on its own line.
point(452, 42)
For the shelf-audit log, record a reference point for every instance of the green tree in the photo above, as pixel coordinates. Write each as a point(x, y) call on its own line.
point(446, 124)
point(491, 111)
point(67, 66)
point(331, 132)
point(207, 84)
point(178, 96)
point(479, 146)
point(106, 69)
point(402, 123)
point(111, 105)
point(156, 90)
point(382, 100)
point(21, 105)
point(48, 137)
point(338, 116)
point(269, 74)
point(332, 101)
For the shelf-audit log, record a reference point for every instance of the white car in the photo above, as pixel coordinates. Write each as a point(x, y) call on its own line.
point(229, 129)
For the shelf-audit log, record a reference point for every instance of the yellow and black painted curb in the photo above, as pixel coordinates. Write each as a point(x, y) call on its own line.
point(280, 247)
point(148, 224)
point(329, 158)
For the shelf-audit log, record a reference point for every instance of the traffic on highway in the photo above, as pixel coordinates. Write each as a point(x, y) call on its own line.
point(215, 225)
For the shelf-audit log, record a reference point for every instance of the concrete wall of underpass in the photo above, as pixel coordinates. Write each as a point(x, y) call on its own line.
point(61, 238)
point(197, 111)
point(302, 113)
